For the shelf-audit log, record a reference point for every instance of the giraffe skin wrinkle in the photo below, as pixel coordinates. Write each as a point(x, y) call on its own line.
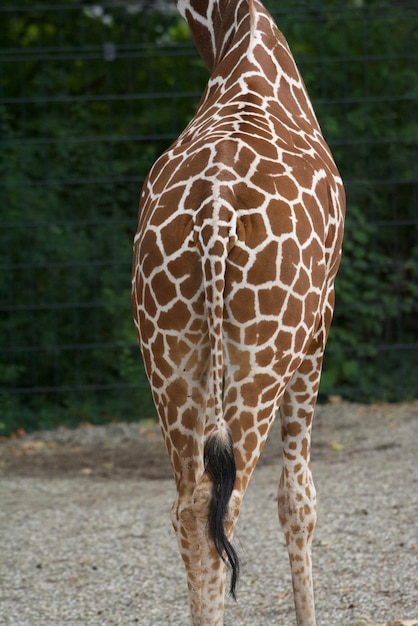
point(238, 245)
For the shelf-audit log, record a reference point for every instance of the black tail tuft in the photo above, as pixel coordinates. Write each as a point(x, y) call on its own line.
point(220, 467)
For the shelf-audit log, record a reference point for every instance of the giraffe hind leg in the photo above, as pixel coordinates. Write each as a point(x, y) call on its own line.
point(185, 527)
point(297, 496)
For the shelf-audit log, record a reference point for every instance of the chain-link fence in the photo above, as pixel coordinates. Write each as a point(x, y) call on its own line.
point(90, 94)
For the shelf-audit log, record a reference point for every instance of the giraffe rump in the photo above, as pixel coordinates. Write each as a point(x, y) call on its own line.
point(220, 466)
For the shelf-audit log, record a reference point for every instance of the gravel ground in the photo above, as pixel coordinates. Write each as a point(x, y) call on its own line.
point(85, 535)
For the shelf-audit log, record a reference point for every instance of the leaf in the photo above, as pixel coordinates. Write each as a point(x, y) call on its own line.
point(322, 543)
point(334, 399)
point(35, 444)
point(335, 445)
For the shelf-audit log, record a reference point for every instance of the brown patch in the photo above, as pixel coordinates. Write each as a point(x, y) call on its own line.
point(290, 259)
point(266, 148)
point(249, 395)
point(259, 333)
point(151, 256)
point(303, 282)
point(264, 268)
point(231, 394)
point(189, 419)
point(280, 217)
point(236, 423)
point(225, 151)
point(176, 318)
point(242, 359)
point(263, 428)
point(294, 429)
point(181, 267)
point(288, 189)
point(265, 179)
point(265, 357)
point(243, 305)
point(251, 443)
point(192, 166)
point(254, 230)
point(271, 300)
point(175, 232)
point(160, 213)
point(303, 231)
point(163, 288)
point(284, 345)
point(177, 392)
point(245, 160)
point(148, 302)
point(299, 385)
point(176, 346)
point(156, 381)
point(305, 448)
point(293, 312)
point(164, 369)
point(300, 339)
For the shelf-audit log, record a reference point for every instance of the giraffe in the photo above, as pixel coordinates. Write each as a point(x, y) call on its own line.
point(237, 248)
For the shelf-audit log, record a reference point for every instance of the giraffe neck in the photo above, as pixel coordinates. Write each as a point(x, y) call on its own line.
point(247, 54)
point(214, 24)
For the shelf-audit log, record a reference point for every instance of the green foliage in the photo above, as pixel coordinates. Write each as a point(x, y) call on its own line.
point(88, 99)
point(71, 176)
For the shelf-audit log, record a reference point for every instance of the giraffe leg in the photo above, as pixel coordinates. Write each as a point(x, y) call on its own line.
point(213, 568)
point(213, 501)
point(186, 529)
point(296, 497)
point(205, 569)
point(178, 366)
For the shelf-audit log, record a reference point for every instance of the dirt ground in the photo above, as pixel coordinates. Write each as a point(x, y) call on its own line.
point(132, 451)
point(105, 492)
point(118, 451)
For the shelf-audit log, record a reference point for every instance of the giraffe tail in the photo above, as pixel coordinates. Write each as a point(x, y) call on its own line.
point(220, 467)
point(215, 235)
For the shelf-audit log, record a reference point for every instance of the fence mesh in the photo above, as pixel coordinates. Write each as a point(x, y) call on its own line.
point(90, 95)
